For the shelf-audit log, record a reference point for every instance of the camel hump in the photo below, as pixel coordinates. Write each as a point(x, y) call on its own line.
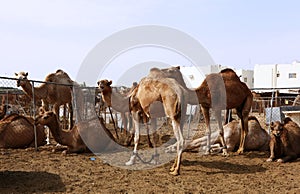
point(286, 120)
point(253, 118)
point(229, 72)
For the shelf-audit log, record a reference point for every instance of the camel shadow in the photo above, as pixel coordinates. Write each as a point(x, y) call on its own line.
point(217, 167)
point(30, 182)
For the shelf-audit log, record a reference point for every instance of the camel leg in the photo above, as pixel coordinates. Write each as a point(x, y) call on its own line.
point(70, 115)
point(124, 121)
point(243, 113)
point(205, 112)
point(221, 131)
point(153, 126)
point(175, 169)
point(136, 139)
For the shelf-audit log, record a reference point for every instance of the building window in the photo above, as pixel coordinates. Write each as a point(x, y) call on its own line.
point(245, 79)
point(292, 75)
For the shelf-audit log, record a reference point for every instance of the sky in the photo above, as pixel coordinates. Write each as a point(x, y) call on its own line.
point(41, 36)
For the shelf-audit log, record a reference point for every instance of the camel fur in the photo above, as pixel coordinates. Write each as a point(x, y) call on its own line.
point(16, 131)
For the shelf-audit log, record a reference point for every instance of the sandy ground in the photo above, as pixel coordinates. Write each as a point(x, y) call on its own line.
point(44, 171)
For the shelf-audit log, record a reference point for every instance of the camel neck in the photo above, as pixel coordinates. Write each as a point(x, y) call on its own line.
point(39, 92)
point(56, 130)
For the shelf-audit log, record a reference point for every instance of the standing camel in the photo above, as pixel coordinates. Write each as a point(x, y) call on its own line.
point(54, 94)
point(171, 95)
point(118, 102)
point(218, 91)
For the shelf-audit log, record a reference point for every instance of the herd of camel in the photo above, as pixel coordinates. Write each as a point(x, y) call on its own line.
point(162, 92)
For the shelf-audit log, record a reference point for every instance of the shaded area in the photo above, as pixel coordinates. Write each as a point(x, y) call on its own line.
point(28, 182)
point(225, 167)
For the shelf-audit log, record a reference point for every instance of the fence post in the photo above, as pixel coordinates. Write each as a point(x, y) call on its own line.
point(34, 126)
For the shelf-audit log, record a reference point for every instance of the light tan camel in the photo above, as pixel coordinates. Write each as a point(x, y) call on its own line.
point(85, 136)
point(285, 138)
point(119, 103)
point(171, 95)
point(219, 91)
point(257, 138)
point(54, 94)
point(17, 131)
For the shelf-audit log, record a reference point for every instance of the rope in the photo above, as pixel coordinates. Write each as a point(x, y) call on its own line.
point(143, 161)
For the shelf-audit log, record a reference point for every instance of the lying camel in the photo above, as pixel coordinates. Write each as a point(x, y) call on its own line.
point(85, 136)
point(257, 138)
point(4, 109)
point(284, 143)
point(17, 131)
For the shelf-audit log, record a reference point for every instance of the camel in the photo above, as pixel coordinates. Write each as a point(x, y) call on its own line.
point(284, 143)
point(17, 131)
point(85, 136)
point(212, 94)
point(171, 95)
point(54, 94)
point(257, 139)
point(118, 102)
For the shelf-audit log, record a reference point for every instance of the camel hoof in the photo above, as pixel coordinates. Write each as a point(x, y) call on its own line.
point(131, 161)
point(269, 160)
point(240, 151)
point(225, 153)
point(174, 173)
point(172, 169)
point(280, 160)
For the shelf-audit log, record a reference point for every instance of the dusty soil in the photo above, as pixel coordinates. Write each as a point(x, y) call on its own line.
point(44, 171)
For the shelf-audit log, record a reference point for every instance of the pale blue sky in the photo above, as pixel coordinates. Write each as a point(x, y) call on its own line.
point(40, 36)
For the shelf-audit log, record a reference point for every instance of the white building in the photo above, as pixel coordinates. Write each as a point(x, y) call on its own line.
point(246, 76)
point(277, 75)
point(194, 76)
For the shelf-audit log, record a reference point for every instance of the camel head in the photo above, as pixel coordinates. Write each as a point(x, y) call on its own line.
point(22, 78)
point(104, 85)
point(45, 118)
point(276, 128)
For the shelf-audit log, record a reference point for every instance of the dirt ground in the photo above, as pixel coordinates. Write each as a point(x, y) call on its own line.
point(44, 171)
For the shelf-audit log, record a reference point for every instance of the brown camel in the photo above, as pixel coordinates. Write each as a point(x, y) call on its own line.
point(257, 139)
point(17, 131)
point(284, 143)
point(85, 136)
point(219, 91)
point(118, 102)
point(54, 94)
point(171, 95)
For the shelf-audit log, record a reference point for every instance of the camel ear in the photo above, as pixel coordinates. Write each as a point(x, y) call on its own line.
point(98, 82)
point(178, 67)
point(272, 124)
point(16, 74)
point(26, 74)
point(110, 82)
